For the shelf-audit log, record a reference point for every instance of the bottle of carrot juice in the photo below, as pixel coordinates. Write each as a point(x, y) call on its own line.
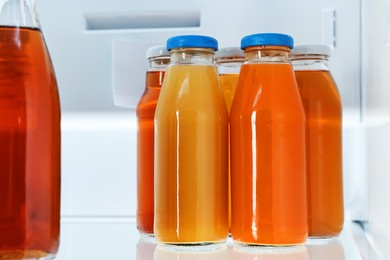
point(267, 127)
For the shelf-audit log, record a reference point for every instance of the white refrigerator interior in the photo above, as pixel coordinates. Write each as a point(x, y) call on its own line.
point(98, 51)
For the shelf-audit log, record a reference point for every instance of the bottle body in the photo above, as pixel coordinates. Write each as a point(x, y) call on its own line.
point(191, 123)
point(30, 146)
point(267, 152)
point(145, 146)
point(322, 104)
point(229, 61)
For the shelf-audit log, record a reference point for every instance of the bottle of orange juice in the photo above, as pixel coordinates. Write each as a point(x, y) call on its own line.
point(191, 147)
point(267, 125)
point(158, 58)
point(229, 61)
point(322, 104)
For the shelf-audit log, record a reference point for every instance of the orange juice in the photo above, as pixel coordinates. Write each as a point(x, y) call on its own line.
point(322, 104)
point(228, 85)
point(268, 150)
point(229, 61)
point(191, 178)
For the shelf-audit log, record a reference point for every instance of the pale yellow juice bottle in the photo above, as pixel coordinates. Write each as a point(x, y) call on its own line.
point(229, 61)
point(191, 147)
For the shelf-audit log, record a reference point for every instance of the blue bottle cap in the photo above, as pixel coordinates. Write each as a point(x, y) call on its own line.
point(267, 39)
point(192, 41)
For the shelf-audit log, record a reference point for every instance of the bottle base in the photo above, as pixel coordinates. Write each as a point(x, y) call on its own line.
point(193, 247)
point(146, 236)
point(25, 255)
point(322, 239)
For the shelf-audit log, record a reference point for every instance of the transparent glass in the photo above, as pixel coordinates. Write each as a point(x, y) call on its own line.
point(229, 69)
point(191, 127)
point(29, 138)
point(322, 103)
point(145, 148)
point(268, 152)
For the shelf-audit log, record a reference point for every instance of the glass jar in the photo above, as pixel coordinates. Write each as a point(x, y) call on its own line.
point(29, 138)
point(191, 128)
point(322, 103)
point(158, 58)
point(267, 130)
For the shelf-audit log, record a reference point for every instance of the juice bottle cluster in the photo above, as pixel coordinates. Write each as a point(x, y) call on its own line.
point(243, 144)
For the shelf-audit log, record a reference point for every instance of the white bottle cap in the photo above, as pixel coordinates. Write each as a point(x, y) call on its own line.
point(157, 51)
point(229, 52)
point(311, 49)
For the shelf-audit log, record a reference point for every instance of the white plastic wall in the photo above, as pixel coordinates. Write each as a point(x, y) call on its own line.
point(376, 86)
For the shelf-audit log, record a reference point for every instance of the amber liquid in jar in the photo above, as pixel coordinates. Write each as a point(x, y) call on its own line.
point(145, 114)
point(29, 147)
point(322, 104)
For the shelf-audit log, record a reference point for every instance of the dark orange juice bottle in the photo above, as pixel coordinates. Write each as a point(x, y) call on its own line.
point(267, 127)
point(158, 58)
point(29, 138)
point(229, 61)
point(322, 104)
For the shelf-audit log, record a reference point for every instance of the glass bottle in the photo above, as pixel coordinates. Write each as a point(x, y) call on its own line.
point(229, 61)
point(268, 146)
point(322, 103)
point(29, 138)
point(158, 58)
point(191, 128)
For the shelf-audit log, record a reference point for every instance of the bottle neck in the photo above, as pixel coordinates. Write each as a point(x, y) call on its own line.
point(310, 62)
point(192, 56)
point(158, 63)
point(18, 13)
point(267, 54)
point(229, 65)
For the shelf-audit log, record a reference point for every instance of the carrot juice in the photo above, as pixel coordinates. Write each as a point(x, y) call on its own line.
point(191, 123)
point(158, 59)
point(267, 147)
point(322, 104)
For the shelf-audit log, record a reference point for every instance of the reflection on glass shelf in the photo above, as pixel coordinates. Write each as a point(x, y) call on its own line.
point(325, 249)
point(269, 253)
point(211, 252)
point(147, 249)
